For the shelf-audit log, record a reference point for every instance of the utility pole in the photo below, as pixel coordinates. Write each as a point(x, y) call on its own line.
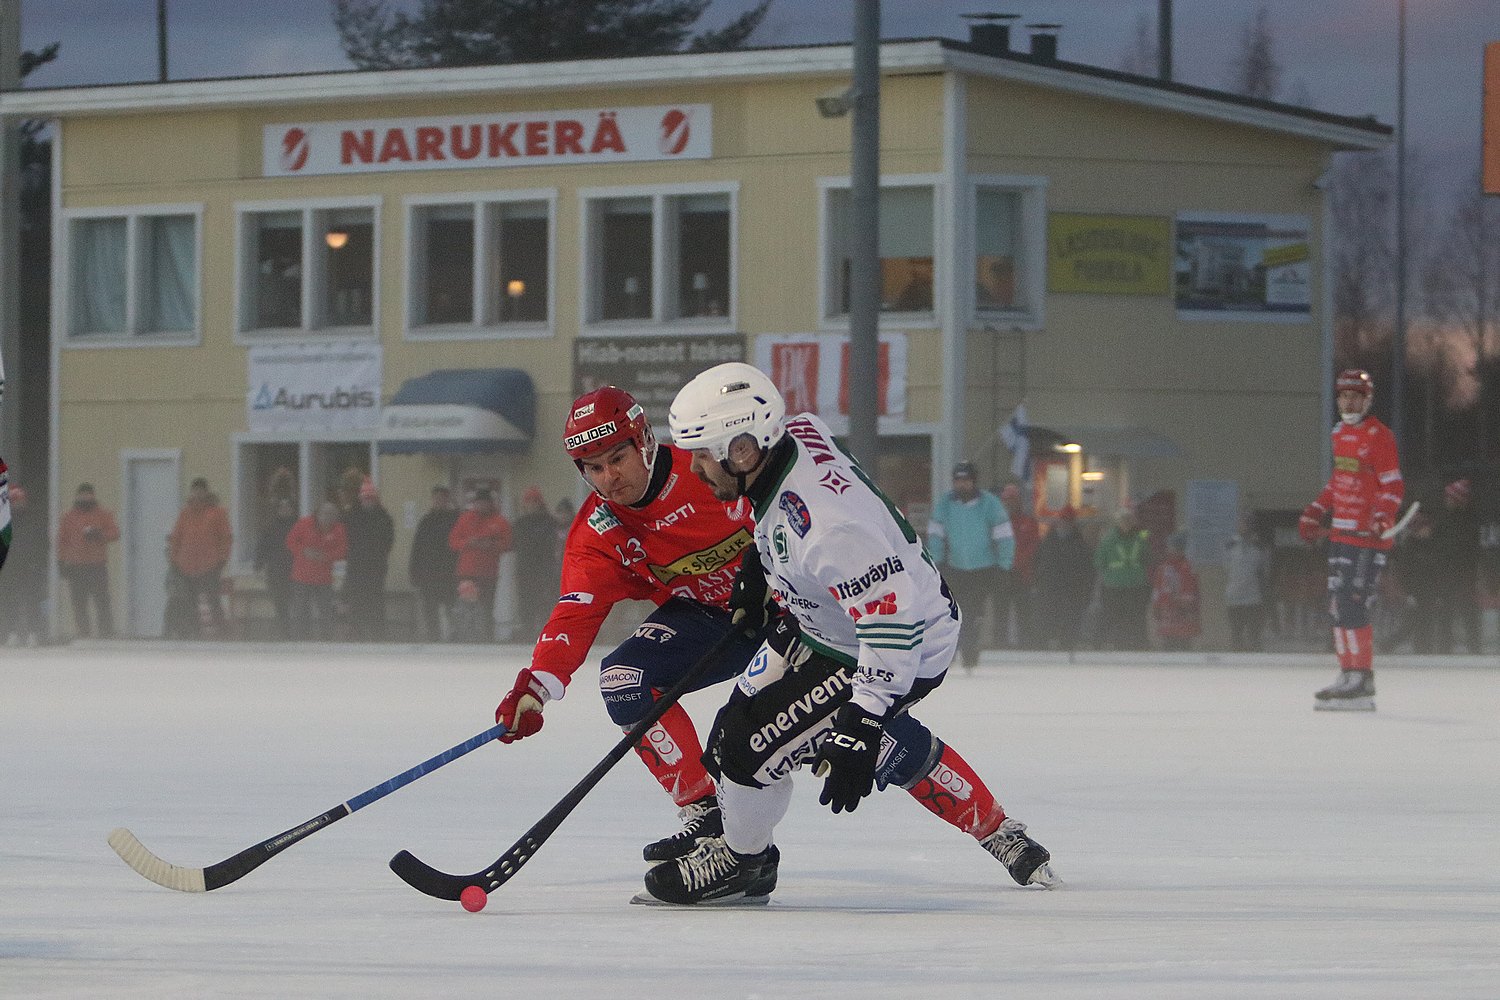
point(1164, 39)
point(1398, 347)
point(161, 40)
point(864, 238)
point(10, 223)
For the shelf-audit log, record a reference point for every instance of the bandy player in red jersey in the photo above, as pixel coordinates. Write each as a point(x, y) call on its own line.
point(1361, 499)
point(651, 531)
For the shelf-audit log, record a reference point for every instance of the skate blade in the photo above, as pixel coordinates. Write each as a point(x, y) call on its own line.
point(646, 899)
point(1345, 705)
point(1046, 878)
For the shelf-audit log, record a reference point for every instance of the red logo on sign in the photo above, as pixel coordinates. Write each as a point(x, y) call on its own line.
point(675, 130)
point(294, 149)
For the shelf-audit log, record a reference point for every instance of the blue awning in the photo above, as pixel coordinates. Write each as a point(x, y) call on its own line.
point(460, 411)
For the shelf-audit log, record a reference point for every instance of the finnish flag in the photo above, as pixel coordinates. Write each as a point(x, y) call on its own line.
point(1013, 433)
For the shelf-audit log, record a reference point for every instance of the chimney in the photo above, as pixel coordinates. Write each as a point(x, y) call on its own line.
point(1044, 41)
point(990, 33)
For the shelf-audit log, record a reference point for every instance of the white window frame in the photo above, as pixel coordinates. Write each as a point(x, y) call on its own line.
point(477, 329)
point(828, 318)
point(655, 324)
point(312, 283)
point(132, 214)
point(1031, 254)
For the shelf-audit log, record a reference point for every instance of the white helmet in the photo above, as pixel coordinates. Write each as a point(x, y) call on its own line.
point(723, 403)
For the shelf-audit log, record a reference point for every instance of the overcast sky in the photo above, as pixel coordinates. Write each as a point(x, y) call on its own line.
point(1343, 53)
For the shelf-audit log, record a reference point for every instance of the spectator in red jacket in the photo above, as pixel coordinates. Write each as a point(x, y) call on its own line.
point(480, 536)
point(198, 551)
point(1174, 597)
point(83, 538)
point(316, 542)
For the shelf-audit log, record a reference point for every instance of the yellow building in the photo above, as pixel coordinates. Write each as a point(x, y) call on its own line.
point(412, 273)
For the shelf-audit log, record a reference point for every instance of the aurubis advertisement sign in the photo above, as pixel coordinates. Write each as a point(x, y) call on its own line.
point(455, 142)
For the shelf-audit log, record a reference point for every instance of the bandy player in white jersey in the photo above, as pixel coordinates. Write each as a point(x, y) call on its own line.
point(867, 629)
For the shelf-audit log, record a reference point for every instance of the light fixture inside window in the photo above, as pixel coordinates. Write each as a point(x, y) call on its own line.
point(336, 239)
point(1092, 476)
point(515, 288)
point(1071, 447)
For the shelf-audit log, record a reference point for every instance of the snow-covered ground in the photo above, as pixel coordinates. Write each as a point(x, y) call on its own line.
point(1219, 838)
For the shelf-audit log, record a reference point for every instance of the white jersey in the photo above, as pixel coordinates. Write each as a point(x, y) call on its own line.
point(842, 559)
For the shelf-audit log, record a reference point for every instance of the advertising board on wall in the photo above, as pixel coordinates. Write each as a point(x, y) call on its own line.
point(1118, 254)
point(1244, 267)
point(812, 372)
point(651, 369)
point(520, 139)
point(334, 385)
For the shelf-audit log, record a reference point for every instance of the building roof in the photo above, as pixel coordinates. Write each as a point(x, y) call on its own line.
point(897, 57)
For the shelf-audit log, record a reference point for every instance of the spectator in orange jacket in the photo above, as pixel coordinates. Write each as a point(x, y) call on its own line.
point(480, 536)
point(198, 551)
point(83, 537)
point(316, 542)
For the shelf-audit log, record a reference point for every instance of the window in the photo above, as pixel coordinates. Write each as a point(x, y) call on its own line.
point(481, 264)
point(660, 257)
point(308, 268)
point(133, 274)
point(906, 250)
point(1008, 265)
point(306, 472)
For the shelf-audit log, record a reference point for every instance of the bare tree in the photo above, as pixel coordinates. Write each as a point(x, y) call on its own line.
point(1255, 71)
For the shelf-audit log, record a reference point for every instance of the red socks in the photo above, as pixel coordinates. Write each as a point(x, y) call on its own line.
point(1354, 647)
point(954, 793)
point(671, 752)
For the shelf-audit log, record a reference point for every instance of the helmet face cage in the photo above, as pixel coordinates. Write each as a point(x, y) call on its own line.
point(603, 419)
point(725, 403)
point(1355, 380)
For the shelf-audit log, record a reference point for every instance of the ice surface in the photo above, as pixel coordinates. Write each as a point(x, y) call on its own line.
point(1219, 838)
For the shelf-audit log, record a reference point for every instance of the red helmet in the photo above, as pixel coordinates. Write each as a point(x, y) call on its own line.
point(1354, 380)
point(604, 418)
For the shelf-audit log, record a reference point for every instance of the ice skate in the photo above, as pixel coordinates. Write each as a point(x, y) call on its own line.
point(1024, 858)
point(712, 875)
point(1351, 691)
point(700, 820)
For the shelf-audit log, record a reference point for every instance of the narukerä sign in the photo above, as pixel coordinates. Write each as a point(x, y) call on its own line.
point(454, 142)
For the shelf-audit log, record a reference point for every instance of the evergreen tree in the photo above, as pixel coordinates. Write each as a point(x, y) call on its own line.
point(1256, 72)
point(490, 32)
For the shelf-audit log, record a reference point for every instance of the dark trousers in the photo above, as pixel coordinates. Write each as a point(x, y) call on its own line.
point(309, 599)
point(1246, 625)
point(435, 601)
point(279, 590)
point(1460, 603)
point(1013, 593)
point(1123, 618)
point(974, 589)
point(366, 601)
point(89, 582)
point(190, 595)
point(477, 620)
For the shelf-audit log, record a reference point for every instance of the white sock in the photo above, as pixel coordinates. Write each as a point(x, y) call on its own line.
point(751, 814)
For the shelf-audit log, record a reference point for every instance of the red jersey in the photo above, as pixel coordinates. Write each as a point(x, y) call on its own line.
point(1366, 480)
point(684, 543)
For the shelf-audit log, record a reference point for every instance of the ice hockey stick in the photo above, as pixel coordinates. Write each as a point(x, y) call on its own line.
point(135, 854)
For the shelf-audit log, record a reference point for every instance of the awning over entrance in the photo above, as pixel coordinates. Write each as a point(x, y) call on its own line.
point(460, 411)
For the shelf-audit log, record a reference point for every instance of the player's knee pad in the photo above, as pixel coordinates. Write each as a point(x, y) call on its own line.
point(627, 695)
point(908, 750)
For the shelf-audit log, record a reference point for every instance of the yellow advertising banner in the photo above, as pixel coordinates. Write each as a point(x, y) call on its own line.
point(1492, 118)
point(1116, 254)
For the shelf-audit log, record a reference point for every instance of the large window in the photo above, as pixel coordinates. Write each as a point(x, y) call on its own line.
point(478, 266)
point(306, 268)
point(133, 274)
point(664, 256)
point(906, 250)
point(1008, 264)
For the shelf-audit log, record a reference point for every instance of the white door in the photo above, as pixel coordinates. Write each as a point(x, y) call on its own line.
point(152, 482)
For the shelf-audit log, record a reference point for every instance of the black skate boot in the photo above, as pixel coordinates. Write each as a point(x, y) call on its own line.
point(700, 819)
point(1351, 691)
point(712, 875)
point(1024, 858)
point(765, 882)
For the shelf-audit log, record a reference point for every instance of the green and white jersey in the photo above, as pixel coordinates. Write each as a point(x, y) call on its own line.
point(841, 558)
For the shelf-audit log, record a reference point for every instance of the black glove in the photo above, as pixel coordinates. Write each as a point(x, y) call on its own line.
point(750, 606)
point(846, 758)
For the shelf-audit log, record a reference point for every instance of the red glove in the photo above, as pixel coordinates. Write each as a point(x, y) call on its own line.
point(520, 711)
point(1380, 523)
point(1310, 525)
